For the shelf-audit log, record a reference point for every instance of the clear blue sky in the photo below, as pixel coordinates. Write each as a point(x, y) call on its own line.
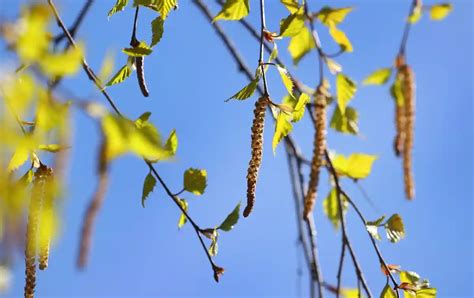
point(140, 252)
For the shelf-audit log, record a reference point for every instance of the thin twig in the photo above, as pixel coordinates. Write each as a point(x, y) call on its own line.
point(339, 269)
point(77, 22)
point(406, 30)
point(93, 77)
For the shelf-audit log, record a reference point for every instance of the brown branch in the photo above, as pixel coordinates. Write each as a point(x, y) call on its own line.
point(93, 77)
point(77, 22)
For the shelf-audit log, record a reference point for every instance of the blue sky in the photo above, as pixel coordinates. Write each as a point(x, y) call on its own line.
point(140, 252)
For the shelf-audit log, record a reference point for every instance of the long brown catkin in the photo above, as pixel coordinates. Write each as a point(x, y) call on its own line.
point(140, 63)
point(47, 211)
point(408, 89)
point(257, 150)
point(398, 143)
point(34, 212)
point(319, 146)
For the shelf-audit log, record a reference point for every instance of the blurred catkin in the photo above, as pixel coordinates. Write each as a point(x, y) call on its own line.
point(408, 89)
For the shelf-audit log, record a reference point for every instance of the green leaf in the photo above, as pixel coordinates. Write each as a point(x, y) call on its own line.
point(62, 64)
point(373, 226)
point(182, 218)
point(388, 292)
point(143, 49)
point(120, 76)
point(282, 128)
point(291, 5)
point(416, 13)
point(347, 122)
point(171, 144)
point(351, 293)
point(346, 88)
point(410, 277)
point(286, 79)
point(440, 11)
point(331, 207)
point(53, 148)
point(426, 293)
point(394, 228)
point(340, 38)
point(20, 156)
point(246, 92)
point(356, 166)
point(119, 6)
point(332, 16)
point(292, 25)
point(162, 6)
point(195, 181)
point(396, 91)
point(233, 10)
point(231, 219)
point(148, 186)
point(300, 45)
point(214, 248)
point(157, 29)
point(378, 77)
point(300, 107)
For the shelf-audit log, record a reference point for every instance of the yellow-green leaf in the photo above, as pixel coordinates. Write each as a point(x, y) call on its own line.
point(286, 79)
point(282, 128)
point(19, 158)
point(345, 88)
point(388, 292)
point(157, 29)
point(378, 77)
point(345, 123)
point(182, 218)
point(148, 186)
point(396, 90)
point(231, 219)
point(195, 181)
point(52, 148)
point(291, 5)
point(333, 16)
point(426, 293)
point(394, 228)
point(213, 248)
point(233, 10)
point(333, 66)
point(119, 6)
point(416, 13)
point(162, 6)
point(340, 38)
point(120, 76)
point(300, 45)
point(107, 67)
point(143, 49)
point(245, 92)
point(171, 144)
point(373, 227)
point(331, 207)
point(292, 25)
point(300, 107)
point(356, 166)
point(351, 293)
point(62, 64)
point(440, 11)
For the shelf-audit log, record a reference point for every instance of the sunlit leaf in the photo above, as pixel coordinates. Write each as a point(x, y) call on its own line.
point(195, 181)
point(333, 66)
point(214, 248)
point(20, 156)
point(351, 293)
point(356, 166)
point(148, 186)
point(246, 92)
point(62, 64)
point(345, 88)
point(231, 219)
point(378, 77)
point(292, 25)
point(331, 207)
point(157, 29)
point(388, 292)
point(416, 13)
point(120, 76)
point(287, 81)
point(107, 67)
point(52, 148)
point(440, 11)
point(233, 10)
point(300, 45)
point(394, 228)
point(426, 293)
point(291, 5)
point(162, 6)
point(373, 226)
point(119, 6)
point(340, 38)
point(172, 142)
point(182, 218)
point(333, 16)
point(396, 91)
point(143, 49)
point(282, 128)
point(347, 122)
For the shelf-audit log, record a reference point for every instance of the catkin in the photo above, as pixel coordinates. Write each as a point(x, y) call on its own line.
point(400, 129)
point(318, 150)
point(46, 230)
point(408, 89)
point(257, 150)
point(139, 63)
point(34, 212)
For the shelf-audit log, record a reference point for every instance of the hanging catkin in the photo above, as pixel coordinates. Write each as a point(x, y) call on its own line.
point(139, 63)
point(318, 149)
point(408, 89)
point(400, 129)
point(46, 227)
point(34, 212)
point(257, 147)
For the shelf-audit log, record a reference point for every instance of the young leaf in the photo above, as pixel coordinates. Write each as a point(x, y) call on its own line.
point(231, 219)
point(62, 64)
point(120, 76)
point(214, 248)
point(440, 11)
point(346, 88)
point(300, 45)
point(357, 166)
point(171, 144)
point(396, 91)
point(287, 81)
point(182, 218)
point(351, 293)
point(19, 158)
point(347, 122)
point(291, 5)
point(119, 6)
point(416, 13)
point(426, 293)
point(331, 207)
point(300, 107)
point(233, 10)
point(388, 292)
point(246, 92)
point(162, 6)
point(139, 51)
point(333, 16)
point(378, 77)
point(157, 30)
point(410, 277)
point(282, 128)
point(195, 181)
point(53, 148)
point(292, 25)
point(394, 228)
point(148, 186)
point(333, 66)
point(340, 38)
point(373, 226)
